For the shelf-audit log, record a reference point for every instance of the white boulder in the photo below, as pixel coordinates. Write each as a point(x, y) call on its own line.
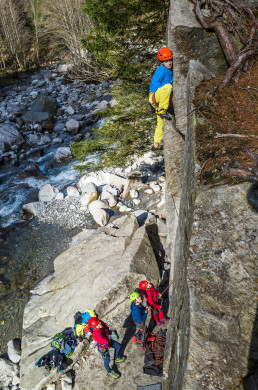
point(97, 208)
point(14, 350)
point(101, 178)
point(47, 193)
point(72, 192)
point(34, 208)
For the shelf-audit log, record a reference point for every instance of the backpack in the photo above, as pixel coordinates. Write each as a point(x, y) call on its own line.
point(81, 321)
point(51, 360)
point(64, 342)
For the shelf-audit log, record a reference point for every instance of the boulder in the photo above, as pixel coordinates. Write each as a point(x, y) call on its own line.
point(32, 170)
point(87, 198)
point(98, 272)
point(69, 110)
point(59, 127)
point(56, 141)
point(14, 350)
point(34, 208)
point(62, 154)
point(72, 193)
point(45, 103)
point(47, 193)
point(8, 371)
point(101, 178)
point(97, 208)
point(10, 135)
point(89, 188)
point(33, 116)
point(72, 126)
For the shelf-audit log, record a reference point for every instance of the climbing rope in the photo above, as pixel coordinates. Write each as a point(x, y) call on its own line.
point(158, 347)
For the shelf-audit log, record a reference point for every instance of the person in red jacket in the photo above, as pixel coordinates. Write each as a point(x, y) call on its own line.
point(100, 335)
point(151, 295)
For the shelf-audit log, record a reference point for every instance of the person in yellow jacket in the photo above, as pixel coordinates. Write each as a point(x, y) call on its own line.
point(160, 91)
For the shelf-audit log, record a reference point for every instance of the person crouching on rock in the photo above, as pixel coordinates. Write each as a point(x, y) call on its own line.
point(139, 314)
point(100, 335)
point(152, 296)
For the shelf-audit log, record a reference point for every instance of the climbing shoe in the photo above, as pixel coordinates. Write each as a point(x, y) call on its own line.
point(120, 359)
point(159, 323)
point(135, 340)
point(163, 114)
point(114, 374)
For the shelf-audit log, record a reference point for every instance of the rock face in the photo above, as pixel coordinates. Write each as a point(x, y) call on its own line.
point(98, 272)
point(213, 335)
point(221, 281)
point(189, 41)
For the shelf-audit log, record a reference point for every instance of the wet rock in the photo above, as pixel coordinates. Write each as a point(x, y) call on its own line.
point(10, 135)
point(72, 126)
point(56, 141)
point(47, 193)
point(62, 154)
point(31, 117)
point(14, 350)
point(47, 125)
point(59, 127)
point(32, 170)
point(46, 104)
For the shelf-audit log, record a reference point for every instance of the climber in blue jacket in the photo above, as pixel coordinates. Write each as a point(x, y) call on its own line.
point(160, 91)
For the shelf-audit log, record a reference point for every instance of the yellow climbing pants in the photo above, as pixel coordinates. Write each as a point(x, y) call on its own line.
point(162, 96)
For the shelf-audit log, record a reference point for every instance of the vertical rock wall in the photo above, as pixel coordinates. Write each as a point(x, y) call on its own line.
point(212, 335)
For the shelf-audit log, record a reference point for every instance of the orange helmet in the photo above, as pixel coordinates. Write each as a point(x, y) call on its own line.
point(143, 285)
point(164, 54)
point(93, 321)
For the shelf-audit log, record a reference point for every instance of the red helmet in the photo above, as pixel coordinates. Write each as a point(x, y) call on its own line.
point(93, 321)
point(164, 54)
point(143, 284)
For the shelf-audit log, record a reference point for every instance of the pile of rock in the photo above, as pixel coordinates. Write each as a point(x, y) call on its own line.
point(44, 110)
point(98, 196)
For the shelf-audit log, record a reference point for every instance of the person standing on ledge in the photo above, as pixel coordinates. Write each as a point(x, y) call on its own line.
point(160, 91)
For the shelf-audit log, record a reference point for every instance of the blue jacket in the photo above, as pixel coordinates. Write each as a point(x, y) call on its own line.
point(138, 313)
point(161, 77)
